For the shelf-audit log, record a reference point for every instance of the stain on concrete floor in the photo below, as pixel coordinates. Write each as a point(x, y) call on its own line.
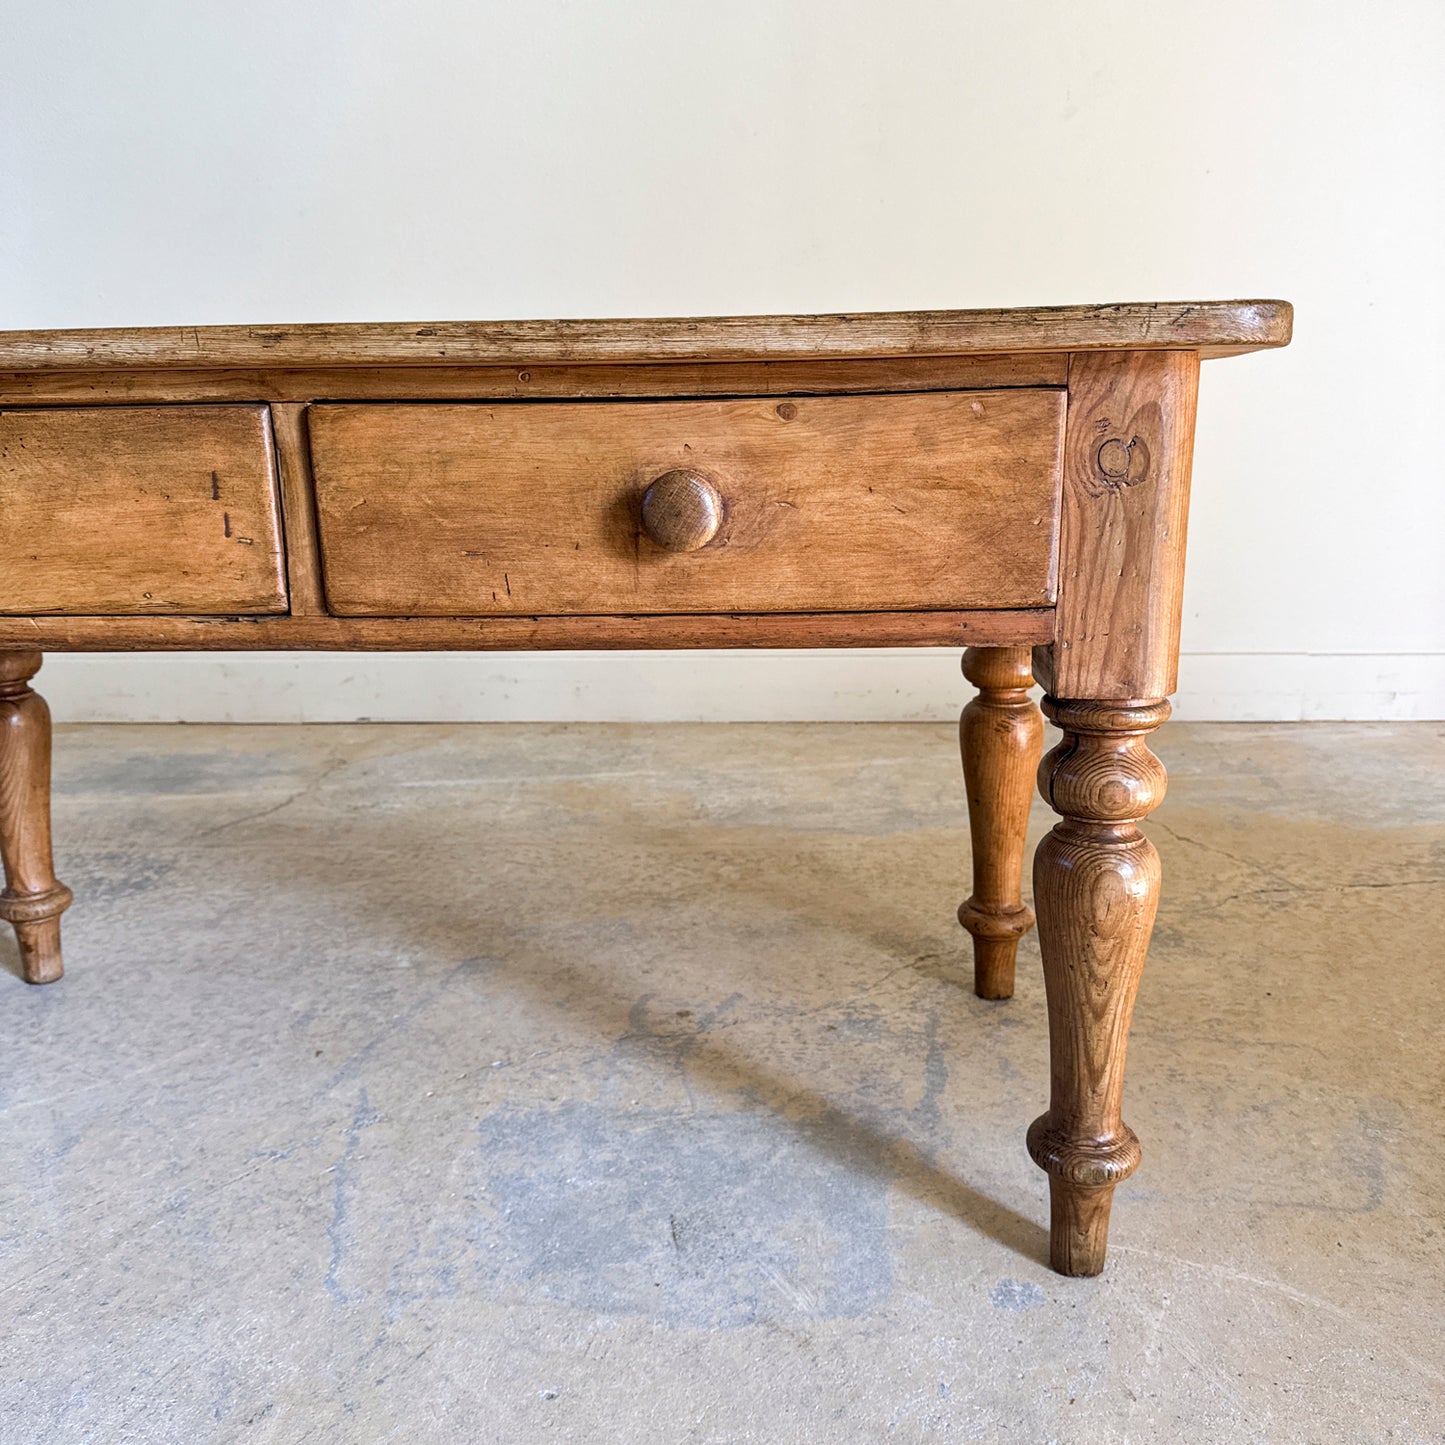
point(519, 1083)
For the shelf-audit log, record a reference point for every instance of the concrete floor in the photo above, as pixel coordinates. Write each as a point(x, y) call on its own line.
point(504, 1083)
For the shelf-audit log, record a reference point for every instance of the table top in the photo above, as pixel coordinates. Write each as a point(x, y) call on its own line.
point(1212, 328)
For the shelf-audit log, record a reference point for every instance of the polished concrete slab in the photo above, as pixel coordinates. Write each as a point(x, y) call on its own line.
point(613, 1083)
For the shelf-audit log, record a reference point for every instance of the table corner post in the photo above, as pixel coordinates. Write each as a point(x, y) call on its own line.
point(1108, 675)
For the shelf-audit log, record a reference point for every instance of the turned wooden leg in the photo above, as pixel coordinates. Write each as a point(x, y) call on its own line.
point(1096, 888)
point(33, 899)
point(1001, 736)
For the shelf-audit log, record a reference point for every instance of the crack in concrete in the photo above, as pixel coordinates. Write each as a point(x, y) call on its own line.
point(1305, 891)
point(313, 786)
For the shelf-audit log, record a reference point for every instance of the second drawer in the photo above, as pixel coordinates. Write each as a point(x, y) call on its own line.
point(857, 503)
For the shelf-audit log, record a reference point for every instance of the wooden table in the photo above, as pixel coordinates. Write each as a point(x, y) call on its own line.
point(997, 480)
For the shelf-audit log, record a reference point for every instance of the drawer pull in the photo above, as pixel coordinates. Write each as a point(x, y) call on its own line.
point(681, 511)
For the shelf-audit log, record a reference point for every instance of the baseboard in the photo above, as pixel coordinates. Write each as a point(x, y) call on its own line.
point(1311, 687)
point(886, 685)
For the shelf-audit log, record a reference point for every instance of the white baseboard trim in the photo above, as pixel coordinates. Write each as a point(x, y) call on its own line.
point(1311, 686)
point(878, 685)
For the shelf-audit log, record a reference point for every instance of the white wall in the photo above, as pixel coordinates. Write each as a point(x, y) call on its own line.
point(198, 161)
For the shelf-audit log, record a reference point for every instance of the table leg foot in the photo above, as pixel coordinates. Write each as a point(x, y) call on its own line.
point(33, 899)
point(1000, 736)
point(1096, 887)
point(1078, 1226)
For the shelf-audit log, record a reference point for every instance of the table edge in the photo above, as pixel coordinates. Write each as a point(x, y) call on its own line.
point(1213, 328)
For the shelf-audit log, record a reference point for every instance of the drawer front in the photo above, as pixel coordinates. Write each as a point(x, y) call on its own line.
point(859, 503)
point(139, 510)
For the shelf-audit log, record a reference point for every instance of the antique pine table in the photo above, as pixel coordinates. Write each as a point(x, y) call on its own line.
point(998, 480)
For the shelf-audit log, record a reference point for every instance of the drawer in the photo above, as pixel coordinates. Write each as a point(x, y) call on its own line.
point(139, 509)
point(857, 503)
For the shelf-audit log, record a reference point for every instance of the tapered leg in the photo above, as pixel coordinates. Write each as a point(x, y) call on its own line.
point(1001, 736)
point(33, 900)
point(1096, 887)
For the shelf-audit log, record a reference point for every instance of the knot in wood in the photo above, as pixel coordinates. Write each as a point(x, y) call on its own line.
point(1117, 464)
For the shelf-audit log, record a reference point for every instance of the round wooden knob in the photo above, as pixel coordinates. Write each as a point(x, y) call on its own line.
point(681, 511)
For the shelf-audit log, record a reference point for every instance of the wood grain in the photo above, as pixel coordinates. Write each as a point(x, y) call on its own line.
point(1127, 457)
point(832, 504)
point(1000, 735)
point(1216, 328)
point(139, 510)
point(1096, 889)
point(580, 381)
point(298, 511)
point(511, 634)
point(33, 898)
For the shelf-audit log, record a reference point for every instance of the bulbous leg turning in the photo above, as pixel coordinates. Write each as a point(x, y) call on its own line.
point(1096, 888)
point(1000, 736)
point(33, 899)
